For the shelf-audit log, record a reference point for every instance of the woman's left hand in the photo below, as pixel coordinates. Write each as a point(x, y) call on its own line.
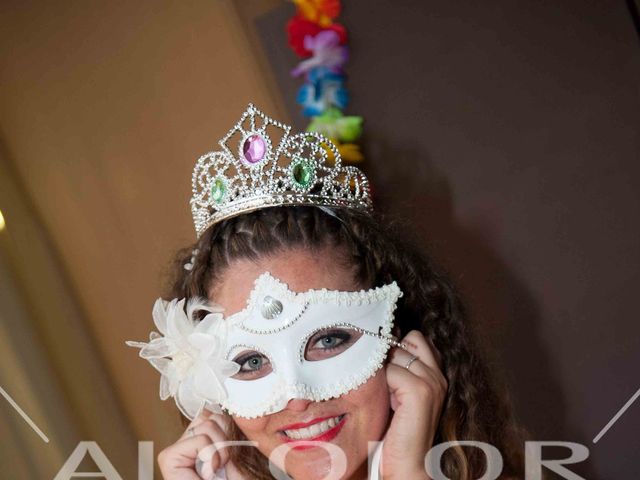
point(417, 396)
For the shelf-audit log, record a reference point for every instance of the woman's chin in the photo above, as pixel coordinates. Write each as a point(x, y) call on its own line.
point(345, 455)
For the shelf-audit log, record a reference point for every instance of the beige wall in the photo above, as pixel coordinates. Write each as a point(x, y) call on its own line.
point(104, 107)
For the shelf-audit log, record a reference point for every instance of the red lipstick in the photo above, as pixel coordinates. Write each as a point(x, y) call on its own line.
point(323, 437)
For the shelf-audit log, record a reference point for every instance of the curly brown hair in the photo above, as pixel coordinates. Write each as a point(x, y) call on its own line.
point(473, 409)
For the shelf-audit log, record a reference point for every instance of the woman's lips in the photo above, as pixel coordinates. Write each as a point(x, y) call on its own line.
point(325, 436)
point(307, 424)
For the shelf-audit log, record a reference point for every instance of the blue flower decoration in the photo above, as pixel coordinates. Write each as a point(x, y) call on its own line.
point(324, 89)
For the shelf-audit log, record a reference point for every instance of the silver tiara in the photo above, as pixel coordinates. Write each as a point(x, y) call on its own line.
point(261, 165)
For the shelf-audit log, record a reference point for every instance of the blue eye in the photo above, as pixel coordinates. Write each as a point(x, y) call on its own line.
point(253, 365)
point(330, 342)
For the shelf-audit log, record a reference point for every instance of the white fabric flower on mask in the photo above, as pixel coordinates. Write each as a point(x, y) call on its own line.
point(190, 355)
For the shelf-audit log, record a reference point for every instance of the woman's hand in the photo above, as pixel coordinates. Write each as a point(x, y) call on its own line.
point(417, 396)
point(193, 456)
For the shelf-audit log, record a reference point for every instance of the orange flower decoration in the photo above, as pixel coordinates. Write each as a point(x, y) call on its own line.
point(349, 152)
point(321, 12)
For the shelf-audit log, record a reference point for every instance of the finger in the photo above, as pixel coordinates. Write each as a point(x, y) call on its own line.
point(402, 383)
point(223, 421)
point(409, 362)
point(417, 345)
point(202, 417)
point(219, 456)
point(205, 415)
point(436, 353)
point(403, 358)
point(178, 460)
point(415, 385)
point(412, 400)
point(213, 456)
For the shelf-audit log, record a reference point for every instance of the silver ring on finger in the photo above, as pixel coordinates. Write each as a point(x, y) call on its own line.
point(191, 432)
point(411, 360)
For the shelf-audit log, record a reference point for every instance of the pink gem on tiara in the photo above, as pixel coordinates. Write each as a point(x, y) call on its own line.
point(254, 149)
point(257, 169)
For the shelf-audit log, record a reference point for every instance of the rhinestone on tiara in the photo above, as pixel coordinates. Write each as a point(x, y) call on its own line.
point(261, 165)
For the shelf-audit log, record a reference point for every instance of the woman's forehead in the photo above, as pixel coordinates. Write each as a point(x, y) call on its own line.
point(300, 269)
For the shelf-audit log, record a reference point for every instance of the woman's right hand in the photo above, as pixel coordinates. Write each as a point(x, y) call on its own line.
point(193, 456)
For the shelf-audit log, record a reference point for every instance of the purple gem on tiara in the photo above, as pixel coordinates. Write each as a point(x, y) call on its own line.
point(254, 149)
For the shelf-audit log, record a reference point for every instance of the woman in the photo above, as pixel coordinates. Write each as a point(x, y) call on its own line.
point(432, 388)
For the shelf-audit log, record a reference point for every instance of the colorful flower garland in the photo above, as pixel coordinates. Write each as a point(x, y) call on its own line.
point(322, 44)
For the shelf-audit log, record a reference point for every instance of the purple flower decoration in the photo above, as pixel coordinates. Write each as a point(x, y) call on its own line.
point(326, 52)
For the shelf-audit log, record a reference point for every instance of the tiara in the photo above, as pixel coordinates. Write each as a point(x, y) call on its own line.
point(261, 165)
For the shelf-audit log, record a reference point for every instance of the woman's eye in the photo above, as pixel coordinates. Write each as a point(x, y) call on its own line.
point(252, 365)
point(329, 343)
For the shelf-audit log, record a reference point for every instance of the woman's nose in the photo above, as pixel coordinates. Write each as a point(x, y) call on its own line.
point(298, 404)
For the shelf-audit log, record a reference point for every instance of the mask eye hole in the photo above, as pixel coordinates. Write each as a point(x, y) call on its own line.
point(330, 342)
point(253, 365)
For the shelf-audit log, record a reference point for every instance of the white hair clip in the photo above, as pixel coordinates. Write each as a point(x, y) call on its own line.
point(189, 265)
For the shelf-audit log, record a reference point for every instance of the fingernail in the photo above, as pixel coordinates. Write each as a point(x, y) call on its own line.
point(204, 468)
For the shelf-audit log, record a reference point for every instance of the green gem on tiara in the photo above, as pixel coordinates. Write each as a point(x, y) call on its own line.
point(218, 189)
point(303, 174)
point(251, 177)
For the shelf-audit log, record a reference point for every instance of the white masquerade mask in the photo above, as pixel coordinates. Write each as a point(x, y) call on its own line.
point(316, 345)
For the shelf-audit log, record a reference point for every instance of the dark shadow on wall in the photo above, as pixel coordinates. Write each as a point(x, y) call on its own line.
point(634, 13)
point(502, 311)
point(502, 306)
